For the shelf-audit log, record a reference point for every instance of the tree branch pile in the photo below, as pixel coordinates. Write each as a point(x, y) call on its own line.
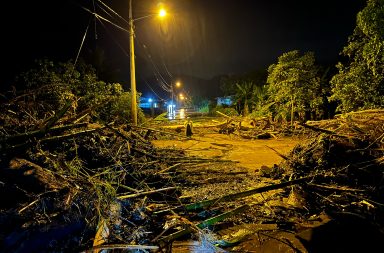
point(349, 152)
point(63, 177)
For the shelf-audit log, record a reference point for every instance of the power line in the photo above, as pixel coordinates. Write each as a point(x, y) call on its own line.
point(82, 43)
point(101, 17)
point(159, 77)
point(114, 12)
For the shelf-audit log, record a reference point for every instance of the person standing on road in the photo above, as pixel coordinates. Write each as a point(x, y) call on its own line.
point(188, 127)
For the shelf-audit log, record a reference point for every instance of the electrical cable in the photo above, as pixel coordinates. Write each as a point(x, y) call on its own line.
point(82, 43)
point(114, 12)
point(99, 16)
point(94, 9)
point(114, 40)
point(159, 77)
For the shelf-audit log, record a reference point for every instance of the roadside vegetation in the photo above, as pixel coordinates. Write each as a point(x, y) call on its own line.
point(297, 88)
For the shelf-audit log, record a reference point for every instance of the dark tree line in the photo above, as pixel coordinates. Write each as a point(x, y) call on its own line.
point(297, 88)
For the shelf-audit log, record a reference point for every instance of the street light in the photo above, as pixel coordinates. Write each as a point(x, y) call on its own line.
point(171, 106)
point(162, 13)
point(177, 85)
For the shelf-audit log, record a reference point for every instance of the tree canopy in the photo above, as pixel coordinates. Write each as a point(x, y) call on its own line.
point(359, 82)
point(294, 85)
point(247, 89)
point(51, 85)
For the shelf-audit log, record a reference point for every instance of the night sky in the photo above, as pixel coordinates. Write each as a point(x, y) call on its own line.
point(199, 38)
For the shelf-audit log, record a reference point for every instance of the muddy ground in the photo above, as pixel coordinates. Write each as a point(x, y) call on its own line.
point(250, 154)
point(276, 220)
point(246, 161)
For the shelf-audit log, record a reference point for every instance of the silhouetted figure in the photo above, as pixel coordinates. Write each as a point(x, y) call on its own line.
point(188, 128)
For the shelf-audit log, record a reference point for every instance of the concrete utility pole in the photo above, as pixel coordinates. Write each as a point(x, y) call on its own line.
point(162, 13)
point(132, 66)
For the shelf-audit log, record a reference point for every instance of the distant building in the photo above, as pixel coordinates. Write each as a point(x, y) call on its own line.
point(152, 106)
point(149, 103)
point(227, 101)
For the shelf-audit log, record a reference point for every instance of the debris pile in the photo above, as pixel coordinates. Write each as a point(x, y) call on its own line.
point(330, 186)
point(346, 159)
point(257, 128)
point(71, 184)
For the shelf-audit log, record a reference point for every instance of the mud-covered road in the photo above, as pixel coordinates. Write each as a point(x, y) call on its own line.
point(251, 154)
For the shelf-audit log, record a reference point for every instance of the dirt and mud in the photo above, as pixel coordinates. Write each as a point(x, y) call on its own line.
point(280, 220)
point(244, 161)
point(250, 154)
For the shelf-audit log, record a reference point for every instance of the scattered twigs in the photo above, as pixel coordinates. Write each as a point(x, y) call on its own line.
point(38, 133)
point(278, 153)
point(159, 131)
point(124, 136)
point(221, 217)
point(139, 137)
point(51, 121)
point(140, 194)
point(247, 193)
point(224, 115)
point(177, 234)
point(69, 135)
point(27, 206)
point(124, 247)
point(336, 188)
point(169, 168)
point(234, 196)
point(322, 130)
point(81, 115)
point(204, 224)
point(282, 240)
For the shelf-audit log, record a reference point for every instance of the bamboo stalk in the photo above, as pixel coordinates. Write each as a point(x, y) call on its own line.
point(139, 194)
point(234, 196)
point(125, 246)
point(168, 168)
point(221, 217)
point(51, 121)
point(70, 135)
point(38, 133)
point(231, 197)
point(278, 153)
point(208, 222)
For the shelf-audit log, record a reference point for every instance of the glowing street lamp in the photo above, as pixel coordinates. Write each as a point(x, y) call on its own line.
point(177, 85)
point(162, 13)
point(171, 107)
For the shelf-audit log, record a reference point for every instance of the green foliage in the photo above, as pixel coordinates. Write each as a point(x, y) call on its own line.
point(162, 117)
point(248, 90)
point(51, 85)
point(263, 110)
point(204, 108)
point(359, 82)
point(294, 86)
point(201, 104)
point(226, 110)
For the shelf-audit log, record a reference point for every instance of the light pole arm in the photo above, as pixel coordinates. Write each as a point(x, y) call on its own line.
point(148, 16)
point(132, 67)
